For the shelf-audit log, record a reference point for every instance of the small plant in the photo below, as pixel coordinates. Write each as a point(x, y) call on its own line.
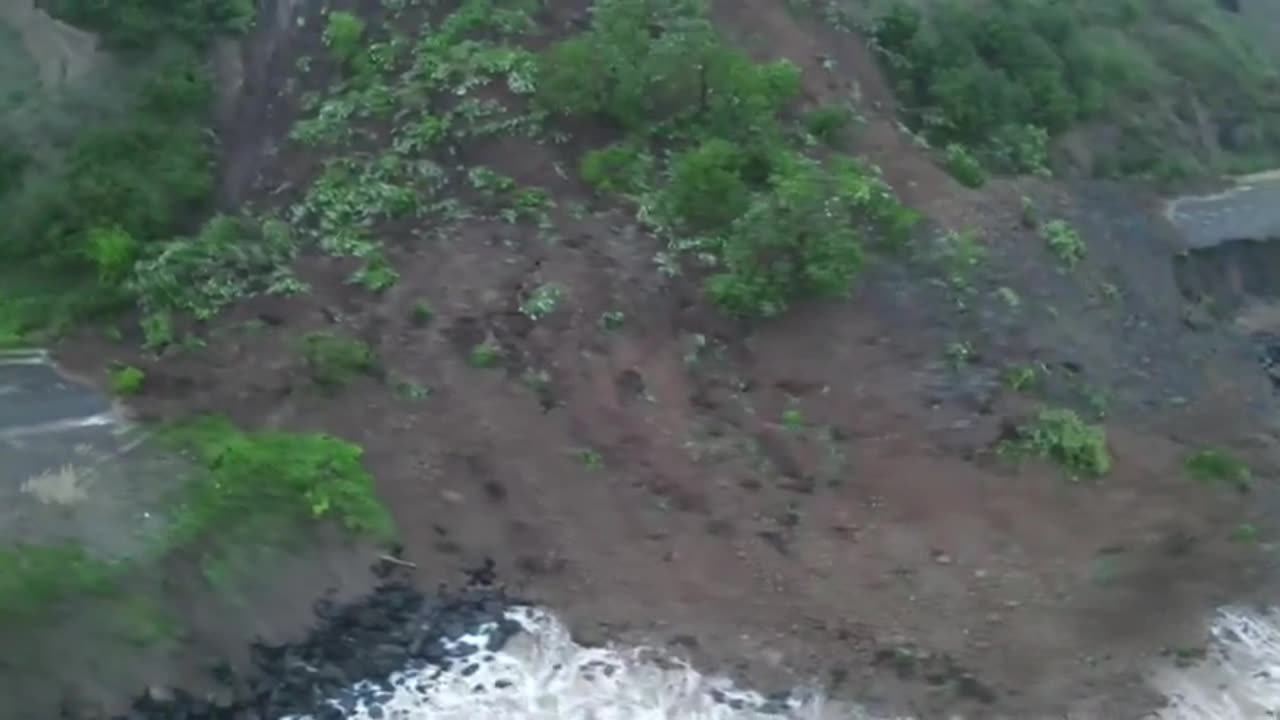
point(961, 254)
point(1008, 297)
point(542, 302)
point(591, 459)
point(422, 313)
point(1030, 214)
point(793, 419)
point(334, 361)
point(613, 320)
point(1022, 378)
point(1060, 435)
point(1246, 533)
point(964, 166)
point(377, 276)
point(343, 35)
point(1218, 467)
point(410, 390)
point(827, 123)
point(1064, 242)
point(485, 356)
point(127, 380)
point(959, 354)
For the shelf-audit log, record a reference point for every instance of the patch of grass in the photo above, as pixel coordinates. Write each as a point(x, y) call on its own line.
point(1064, 242)
point(33, 578)
point(127, 381)
point(1059, 435)
point(1213, 466)
point(591, 459)
point(485, 356)
point(793, 419)
point(334, 361)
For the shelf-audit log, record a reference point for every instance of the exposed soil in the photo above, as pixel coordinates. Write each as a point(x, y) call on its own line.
point(884, 528)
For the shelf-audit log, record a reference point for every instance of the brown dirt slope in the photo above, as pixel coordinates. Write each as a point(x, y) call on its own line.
point(642, 482)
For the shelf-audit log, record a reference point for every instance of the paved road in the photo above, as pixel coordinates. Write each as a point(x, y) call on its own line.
point(71, 469)
point(1250, 210)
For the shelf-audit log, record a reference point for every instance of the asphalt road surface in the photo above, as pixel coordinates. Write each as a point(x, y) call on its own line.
point(1248, 211)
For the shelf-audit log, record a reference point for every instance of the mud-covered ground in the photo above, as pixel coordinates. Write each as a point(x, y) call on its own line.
point(641, 480)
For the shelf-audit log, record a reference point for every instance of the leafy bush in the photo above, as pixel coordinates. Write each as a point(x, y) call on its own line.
point(343, 35)
point(802, 238)
point(707, 189)
point(964, 166)
point(127, 381)
point(334, 361)
point(255, 482)
point(1064, 242)
point(1061, 436)
point(230, 259)
point(826, 123)
point(619, 168)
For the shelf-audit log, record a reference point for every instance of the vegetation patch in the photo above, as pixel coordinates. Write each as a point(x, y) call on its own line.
point(334, 361)
point(708, 159)
point(1212, 466)
point(1003, 78)
point(127, 380)
point(1059, 435)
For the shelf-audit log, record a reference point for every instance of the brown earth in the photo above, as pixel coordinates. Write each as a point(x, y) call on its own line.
point(884, 529)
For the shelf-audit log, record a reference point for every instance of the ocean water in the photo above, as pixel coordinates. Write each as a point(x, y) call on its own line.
point(541, 674)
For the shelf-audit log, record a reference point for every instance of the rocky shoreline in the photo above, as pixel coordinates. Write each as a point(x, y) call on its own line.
point(348, 661)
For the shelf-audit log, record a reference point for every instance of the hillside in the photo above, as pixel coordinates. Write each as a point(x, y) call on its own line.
point(815, 341)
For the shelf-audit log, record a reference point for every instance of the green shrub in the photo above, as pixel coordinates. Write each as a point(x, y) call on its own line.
point(344, 35)
point(128, 380)
point(1213, 466)
point(113, 251)
point(334, 361)
point(1061, 436)
point(707, 190)
point(260, 482)
point(230, 259)
point(964, 166)
point(1064, 242)
point(827, 123)
point(619, 168)
point(801, 238)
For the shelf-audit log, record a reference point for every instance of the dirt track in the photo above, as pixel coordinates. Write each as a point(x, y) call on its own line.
point(882, 530)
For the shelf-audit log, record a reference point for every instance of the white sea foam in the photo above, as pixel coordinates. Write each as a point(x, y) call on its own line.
point(1239, 679)
point(541, 674)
